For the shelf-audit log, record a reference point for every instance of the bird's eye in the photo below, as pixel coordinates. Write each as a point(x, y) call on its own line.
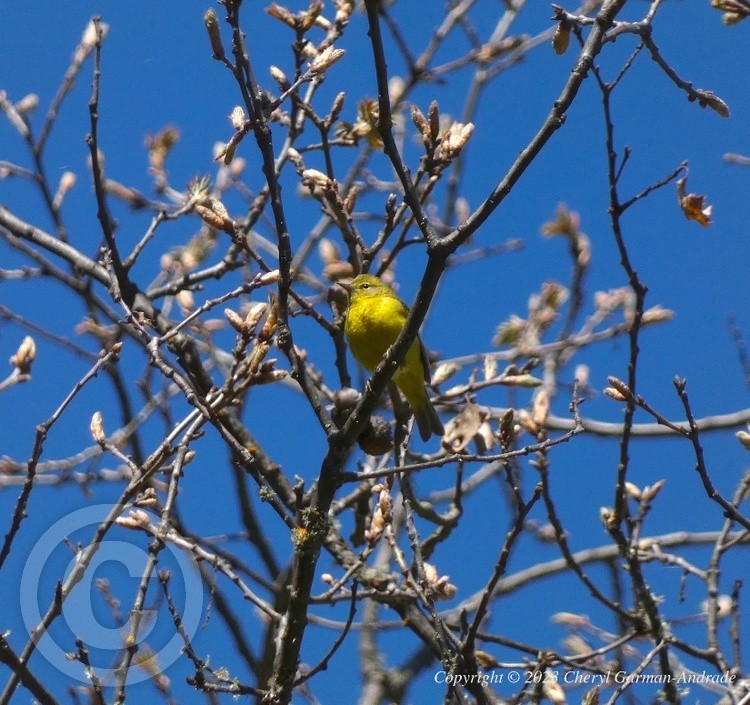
point(365, 286)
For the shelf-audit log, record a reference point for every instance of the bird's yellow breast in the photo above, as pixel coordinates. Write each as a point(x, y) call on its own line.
point(372, 326)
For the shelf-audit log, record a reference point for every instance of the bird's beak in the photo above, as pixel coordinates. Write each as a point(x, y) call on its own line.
point(346, 285)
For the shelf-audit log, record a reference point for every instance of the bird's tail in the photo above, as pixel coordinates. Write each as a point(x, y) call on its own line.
point(428, 421)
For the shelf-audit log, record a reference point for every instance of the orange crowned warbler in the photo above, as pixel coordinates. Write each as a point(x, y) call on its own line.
point(375, 318)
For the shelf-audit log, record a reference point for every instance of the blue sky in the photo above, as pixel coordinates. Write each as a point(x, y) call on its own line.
point(157, 71)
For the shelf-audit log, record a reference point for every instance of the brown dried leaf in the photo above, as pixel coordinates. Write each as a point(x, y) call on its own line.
point(694, 209)
point(462, 428)
point(561, 38)
point(693, 204)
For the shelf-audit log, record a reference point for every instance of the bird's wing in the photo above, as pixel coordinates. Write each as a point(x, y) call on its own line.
point(422, 349)
point(425, 360)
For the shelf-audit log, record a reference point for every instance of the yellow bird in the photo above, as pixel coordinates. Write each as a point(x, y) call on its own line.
point(375, 318)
